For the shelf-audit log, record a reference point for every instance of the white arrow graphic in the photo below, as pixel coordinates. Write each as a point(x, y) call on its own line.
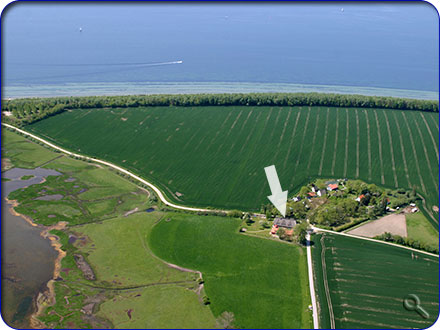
point(279, 197)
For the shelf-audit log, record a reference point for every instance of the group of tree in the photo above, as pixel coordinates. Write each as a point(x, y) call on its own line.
point(388, 237)
point(29, 110)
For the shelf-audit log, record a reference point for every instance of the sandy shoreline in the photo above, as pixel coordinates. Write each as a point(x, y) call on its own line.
point(182, 87)
point(46, 297)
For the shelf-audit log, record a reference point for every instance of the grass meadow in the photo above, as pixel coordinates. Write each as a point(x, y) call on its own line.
point(420, 229)
point(20, 152)
point(263, 282)
point(362, 284)
point(214, 156)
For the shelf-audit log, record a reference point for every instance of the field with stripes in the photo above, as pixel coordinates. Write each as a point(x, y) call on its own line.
point(362, 284)
point(214, 156)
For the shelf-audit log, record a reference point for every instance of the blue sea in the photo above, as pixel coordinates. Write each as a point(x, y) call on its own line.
point(85, 49)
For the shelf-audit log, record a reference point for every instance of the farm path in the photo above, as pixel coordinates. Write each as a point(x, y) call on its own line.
point(327, 290)
point(379, 137)
point(120, 169)
point(311, 283)
point(324, 143)
point(357, 142)
point(416, 159)
point(347, 137)
point(390, 142)
point(317, 229)
point(430, 134)
point(368, 144)
point(291, 140)
point(302, 141)
point(335, 148)
point(405, 165)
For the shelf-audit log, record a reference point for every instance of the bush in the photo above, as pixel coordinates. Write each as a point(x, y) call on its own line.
point(206, 300)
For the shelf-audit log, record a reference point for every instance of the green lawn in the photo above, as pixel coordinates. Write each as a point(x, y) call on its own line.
point(368, 281)
point(420, 229)
point(263, 282)
point(215, 156)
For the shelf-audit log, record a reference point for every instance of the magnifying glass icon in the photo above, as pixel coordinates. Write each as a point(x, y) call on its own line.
point(412, 303)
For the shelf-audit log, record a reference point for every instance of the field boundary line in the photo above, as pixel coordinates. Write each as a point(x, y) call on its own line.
point(430, 134)
point(426, 155)
point(436, 124)
point(368, 144)
point(242, 127)
point(190, 139)
point(251, 132)
point(327, 290)
point(414, 152)
point(375, 240)
point(313, 142)
point(230, 129)
point(357, 143)
point(324, 143)
point(291, 139)
point(301, 147)
point(235, 122)
point(379, 137)
point(405, 165)
point(347, 138)
point(390, 140)
point(118, 168)
point(219, 130)
point(312, 283)
point(282, 133)
point(336, 142)
point(275, 125)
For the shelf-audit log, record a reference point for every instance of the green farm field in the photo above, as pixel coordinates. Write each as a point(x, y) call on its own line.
point(363, 284)
point(214, 156)
point(263, 282)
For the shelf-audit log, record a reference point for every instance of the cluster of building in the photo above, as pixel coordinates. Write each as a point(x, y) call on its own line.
point(315, 191)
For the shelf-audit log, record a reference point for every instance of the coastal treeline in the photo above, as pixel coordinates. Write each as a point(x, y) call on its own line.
point(27, 111)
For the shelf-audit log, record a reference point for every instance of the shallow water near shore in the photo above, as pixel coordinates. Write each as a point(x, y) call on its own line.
point(138, 88)
point(27, 258)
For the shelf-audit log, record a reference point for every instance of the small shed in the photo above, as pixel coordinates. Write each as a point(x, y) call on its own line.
point(321, 192)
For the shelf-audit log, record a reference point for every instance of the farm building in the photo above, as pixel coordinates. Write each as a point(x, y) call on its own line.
point(360, 197)
point(287, 224)
point(283, 222)
point(332, 187)
point(321, 192)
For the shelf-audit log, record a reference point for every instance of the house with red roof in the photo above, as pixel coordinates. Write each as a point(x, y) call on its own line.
point(360, 198)
point(332, 187)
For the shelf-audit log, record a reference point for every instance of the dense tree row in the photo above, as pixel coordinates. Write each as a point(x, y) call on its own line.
point(388, 237)
point(26, 111)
